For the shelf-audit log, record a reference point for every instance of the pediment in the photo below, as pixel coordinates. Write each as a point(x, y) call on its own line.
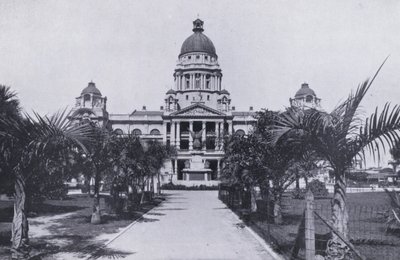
point(197, 110)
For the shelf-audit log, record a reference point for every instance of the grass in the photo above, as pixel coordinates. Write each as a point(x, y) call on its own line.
point(72, 233)
point(367, 228)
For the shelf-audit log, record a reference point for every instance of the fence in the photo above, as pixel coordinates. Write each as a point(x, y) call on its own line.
point(369, 235)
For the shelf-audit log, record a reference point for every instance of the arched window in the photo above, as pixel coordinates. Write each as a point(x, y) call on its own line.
point(309, 99)
point(240, 132)
point(86, 97)
point(118, 131)
point(136, 132)
point(155, 132)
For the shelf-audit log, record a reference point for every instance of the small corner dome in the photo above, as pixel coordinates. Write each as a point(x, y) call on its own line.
point(224, 91)
point(198, 42)
point(171, 91)
point(91, 89)
point(305, 90)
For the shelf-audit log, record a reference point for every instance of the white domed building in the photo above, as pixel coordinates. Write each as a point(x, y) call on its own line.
point(194, 116)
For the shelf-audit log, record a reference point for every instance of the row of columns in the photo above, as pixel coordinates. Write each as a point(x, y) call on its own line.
point(175, 132)
point(180, 82)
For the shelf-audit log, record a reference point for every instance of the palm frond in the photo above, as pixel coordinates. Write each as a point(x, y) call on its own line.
point(380, 130)
point(348, 109)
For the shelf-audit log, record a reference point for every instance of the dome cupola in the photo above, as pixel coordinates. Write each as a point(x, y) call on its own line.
point(198, 42)
point(305, 98)
point(197, 75)
point(91, 89)
point(305, 90)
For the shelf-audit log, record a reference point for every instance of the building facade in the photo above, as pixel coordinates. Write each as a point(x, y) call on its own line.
point(194, 117)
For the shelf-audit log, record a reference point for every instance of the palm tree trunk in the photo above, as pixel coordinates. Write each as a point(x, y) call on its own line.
point(253, 199)
point(277, 208)
point(306, 181)
point(96, 216)
point(336, 248)
point(297, 180)
point(143, 193)
point(20, 227)
point(158, 183)
point(152, 187)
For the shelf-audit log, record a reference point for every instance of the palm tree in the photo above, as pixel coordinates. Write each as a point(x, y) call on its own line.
point(339, 137)
point(100, 156)
point(157, 154)
point(9, 104)
point(395, 153)
point(28, 146)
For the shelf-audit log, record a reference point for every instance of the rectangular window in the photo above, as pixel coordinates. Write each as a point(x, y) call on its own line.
point(187, 97)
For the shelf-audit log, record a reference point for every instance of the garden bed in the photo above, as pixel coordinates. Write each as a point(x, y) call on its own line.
point(64, 226)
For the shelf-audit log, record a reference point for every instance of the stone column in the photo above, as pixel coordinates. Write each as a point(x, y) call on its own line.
point(203, 137)
point(178, 135)
point(230, 128)
point(218, 135)
point(218, 168)
point(172, 135)
point(190, 135)
point(176, 81)
point(164, 132)
point(182, 81)
point(175, 176)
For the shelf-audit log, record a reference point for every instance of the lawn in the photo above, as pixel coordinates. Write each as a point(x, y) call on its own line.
point(64, 226)
point(367, 226)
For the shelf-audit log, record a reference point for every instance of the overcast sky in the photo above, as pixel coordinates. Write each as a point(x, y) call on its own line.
point(50, 50)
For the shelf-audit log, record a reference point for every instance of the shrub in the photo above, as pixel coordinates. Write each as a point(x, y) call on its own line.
point(299, 194)
point(318, 188)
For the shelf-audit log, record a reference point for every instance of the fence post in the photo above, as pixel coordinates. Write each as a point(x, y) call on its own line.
point(309, 226)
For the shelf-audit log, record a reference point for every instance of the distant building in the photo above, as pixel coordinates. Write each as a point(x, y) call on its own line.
point(305, 98)
point(194, 117)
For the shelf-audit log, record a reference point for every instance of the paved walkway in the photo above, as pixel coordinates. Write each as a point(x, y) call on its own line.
point(189, 225)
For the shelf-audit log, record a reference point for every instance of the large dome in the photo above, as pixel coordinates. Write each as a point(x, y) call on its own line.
point(198, 42)
point(305, 90)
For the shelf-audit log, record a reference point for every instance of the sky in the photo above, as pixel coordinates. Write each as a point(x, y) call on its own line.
point(50, 50)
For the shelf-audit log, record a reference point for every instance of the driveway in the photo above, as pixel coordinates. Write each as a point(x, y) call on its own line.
point(189, 225)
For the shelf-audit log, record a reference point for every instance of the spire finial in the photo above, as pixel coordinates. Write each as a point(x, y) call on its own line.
point(198, 25)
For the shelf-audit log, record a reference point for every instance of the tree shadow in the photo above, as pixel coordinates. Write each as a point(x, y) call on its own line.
point(80, 247)
point(49, 209)
point(155, 214)
point(145, 220)
point(172, 209)
point(221, 208)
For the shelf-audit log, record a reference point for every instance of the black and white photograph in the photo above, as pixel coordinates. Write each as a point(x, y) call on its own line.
point(199, 130)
